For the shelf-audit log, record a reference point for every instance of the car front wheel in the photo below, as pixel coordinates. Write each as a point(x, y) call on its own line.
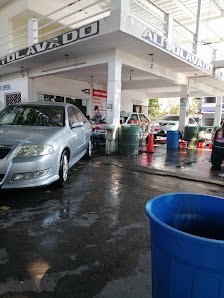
point(63, 170)
point(89, 149)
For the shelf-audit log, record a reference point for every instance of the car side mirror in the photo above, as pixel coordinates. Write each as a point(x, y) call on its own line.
point(77, 124)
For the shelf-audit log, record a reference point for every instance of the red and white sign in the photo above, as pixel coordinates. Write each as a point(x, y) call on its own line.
point(100, 100)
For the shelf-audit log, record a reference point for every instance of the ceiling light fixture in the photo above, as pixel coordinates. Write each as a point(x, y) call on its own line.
point(195, 78)
point(130, 74)
point(22, 72)
point(152, 60)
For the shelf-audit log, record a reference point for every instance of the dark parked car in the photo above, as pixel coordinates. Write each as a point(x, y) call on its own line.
point(40, 142)
point(218, 147)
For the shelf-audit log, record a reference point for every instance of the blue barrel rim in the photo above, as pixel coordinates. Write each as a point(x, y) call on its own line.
point(171, 229)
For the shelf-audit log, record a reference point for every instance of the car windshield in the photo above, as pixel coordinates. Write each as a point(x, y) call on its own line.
point(170, 118)
point(32, 115)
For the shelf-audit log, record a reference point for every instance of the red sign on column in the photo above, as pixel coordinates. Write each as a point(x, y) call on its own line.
point(100, 100)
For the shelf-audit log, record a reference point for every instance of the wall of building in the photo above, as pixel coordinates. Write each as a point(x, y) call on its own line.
point(134, 97)
point(13, 84)
point(63, 87)
point(208, 119)
point(52, 85)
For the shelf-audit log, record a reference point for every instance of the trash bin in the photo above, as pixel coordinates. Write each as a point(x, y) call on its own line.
point(191, 135)
point(187, 244)
point(129, 137)
point(172, 140)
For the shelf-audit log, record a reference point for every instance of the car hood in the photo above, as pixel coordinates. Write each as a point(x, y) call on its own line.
point(18, 135)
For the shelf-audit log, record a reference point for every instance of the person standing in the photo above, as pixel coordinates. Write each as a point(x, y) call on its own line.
point(98, 116)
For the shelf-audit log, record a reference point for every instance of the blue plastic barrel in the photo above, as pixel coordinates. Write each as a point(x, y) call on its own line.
point(172, 141)
point(187, 245)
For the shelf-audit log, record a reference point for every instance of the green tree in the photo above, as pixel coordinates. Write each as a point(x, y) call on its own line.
point(195, 106)
point(175, 109)
point(154, 106)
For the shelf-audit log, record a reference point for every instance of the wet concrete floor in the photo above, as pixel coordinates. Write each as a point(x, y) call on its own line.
point(92, 238)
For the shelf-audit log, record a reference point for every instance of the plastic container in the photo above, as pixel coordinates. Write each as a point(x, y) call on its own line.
point(187, 233)
point(201, 145)
point(172, 141)
point(182, 145)
point(129, 140)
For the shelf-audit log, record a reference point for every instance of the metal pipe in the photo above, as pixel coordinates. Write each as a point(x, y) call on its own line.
point(68, 15)
point(180, 42)
point(14, 47)
point(18, 37)
point(136, 15)
point(183, 35)
point(198, 26)
point(57, 10)
point(160, 19)
point(14, 31)
point(89, 17)
point(184, 27)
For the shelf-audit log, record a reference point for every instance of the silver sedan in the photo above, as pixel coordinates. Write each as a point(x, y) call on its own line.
point(39, 142)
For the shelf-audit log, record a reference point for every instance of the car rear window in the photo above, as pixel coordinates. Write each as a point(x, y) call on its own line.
point(143, 117)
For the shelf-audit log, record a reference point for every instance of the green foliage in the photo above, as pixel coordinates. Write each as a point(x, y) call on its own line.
point(174, 110)
point(154, 106)
point(195, 106)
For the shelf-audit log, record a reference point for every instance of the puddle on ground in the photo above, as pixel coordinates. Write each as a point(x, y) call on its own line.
point(194, 161)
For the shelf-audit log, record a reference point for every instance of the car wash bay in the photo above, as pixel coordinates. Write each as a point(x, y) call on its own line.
point(91, 238)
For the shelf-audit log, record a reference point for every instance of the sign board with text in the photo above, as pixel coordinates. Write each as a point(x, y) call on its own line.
point(100, 100)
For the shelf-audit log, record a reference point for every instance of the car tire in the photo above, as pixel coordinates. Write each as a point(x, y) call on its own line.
point(63, 170)
point(88, 154)
point(216, 162)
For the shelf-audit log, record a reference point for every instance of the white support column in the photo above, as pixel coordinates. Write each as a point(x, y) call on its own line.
point(197, 38)
point(169, 31)
point(184, 107)
point(114, 98)
point(218, 111)
point(214, 55)
point(32, 32)
point(120, 5)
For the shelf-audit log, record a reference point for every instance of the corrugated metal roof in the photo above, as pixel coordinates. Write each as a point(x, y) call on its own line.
point(185, 12)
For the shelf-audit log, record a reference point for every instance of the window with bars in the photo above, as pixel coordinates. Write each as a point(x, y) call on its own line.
point(12, 98)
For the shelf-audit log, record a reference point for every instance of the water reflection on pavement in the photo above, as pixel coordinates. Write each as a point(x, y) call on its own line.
point(193, 162)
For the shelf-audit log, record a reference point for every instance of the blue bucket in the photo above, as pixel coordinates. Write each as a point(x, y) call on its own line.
point(172, 140)
point(187, 245)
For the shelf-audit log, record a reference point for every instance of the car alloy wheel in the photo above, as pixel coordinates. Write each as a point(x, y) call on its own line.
point(89, 151)
point(65, 167)
point(90, 147)
point(63, 171)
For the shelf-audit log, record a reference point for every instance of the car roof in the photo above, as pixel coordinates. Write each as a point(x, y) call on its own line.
point(125, 114)
point(43, 103)
point(171, 115)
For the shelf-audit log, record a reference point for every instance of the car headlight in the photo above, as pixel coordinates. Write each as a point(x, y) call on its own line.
point(34, 150)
